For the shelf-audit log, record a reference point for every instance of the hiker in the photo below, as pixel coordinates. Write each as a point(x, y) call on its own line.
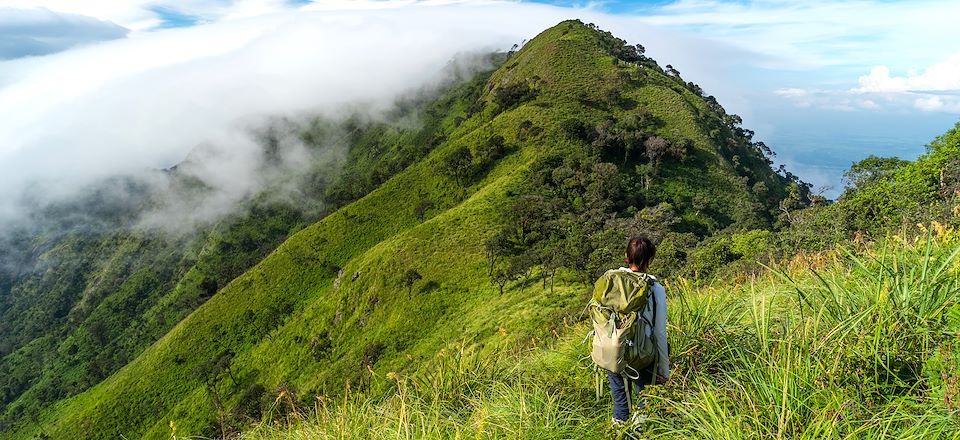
point(629, 313)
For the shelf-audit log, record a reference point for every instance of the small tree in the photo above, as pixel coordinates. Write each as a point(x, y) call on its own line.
point(210, 372)
point(792, 202)
point(422, 207)
point(490, 150)
point(657, 148)
point(872, 169)
point(410, 278)
point(654, 221)
point(458, 163)
point(578, 129)
point(512, 94)
point(502, 276)
point(320, 345)
point(524, 129)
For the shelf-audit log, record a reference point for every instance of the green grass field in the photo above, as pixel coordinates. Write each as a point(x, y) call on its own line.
point(853, 343)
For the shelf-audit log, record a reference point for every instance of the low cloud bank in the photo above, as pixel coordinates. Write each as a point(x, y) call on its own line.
point(132, 107)
point(29, 32)
point(126, 108)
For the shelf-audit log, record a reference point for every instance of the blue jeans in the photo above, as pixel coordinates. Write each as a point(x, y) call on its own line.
point(618, 388)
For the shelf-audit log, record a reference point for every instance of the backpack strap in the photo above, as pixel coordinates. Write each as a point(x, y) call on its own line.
point(596, 382)
point(656, 350)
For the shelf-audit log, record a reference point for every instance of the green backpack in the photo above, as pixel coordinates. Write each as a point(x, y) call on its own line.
point(620, 341)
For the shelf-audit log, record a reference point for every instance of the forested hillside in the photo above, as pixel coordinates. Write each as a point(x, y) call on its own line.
point(433, 285)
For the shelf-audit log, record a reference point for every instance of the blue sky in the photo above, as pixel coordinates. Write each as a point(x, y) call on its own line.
point(824, 83)
point(170, 17)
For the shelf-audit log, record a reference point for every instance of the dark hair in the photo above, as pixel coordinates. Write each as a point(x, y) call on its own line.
point(640, 251)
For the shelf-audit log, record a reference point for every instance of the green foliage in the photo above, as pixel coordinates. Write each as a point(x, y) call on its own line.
point(885, 195)
point(410, 277)
point(619, 48)
point(751, 243)
point(458, 163)
point(463, 392)
point(942, 373)
point(125, 290)
point(851, 349)
point(711, 255)
point(93, 299)
point(872, 169)
point(347, 315)
point(511, 95)
point(490, 150)
point(379, 150)
point(647, 163)
point(465, 165)
point(835, 360)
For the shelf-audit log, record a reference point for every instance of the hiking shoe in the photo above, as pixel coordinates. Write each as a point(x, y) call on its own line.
point(634, 424)
point(620, 428)
point(637, 420)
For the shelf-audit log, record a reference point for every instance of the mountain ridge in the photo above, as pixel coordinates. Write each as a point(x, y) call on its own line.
point(282, 323)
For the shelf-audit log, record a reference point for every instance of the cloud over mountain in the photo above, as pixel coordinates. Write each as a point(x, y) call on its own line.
point(27, 32)
point(144, 102)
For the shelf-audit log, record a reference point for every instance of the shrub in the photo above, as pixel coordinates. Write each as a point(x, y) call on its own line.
point(711, 255)
point(751, 243)
point(457, 164)
point(512, 94)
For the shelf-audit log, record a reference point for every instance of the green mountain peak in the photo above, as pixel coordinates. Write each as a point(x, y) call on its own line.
point(575, 140)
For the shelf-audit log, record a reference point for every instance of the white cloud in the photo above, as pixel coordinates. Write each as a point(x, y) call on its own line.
point(791, 92)
point(855, 100)
point(835, 100)
point(144, 15)
point(931, 103)
point(934, 103)
point(934, 90)
point(812, 34)
point(145, 101)
point(943, 76)
point(26, 32)
point(132, 14)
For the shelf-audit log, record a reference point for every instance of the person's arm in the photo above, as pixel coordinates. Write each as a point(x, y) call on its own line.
point(660, 330)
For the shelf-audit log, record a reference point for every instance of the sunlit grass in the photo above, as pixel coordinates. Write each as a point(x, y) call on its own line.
point(462, 395)
point(840, 351)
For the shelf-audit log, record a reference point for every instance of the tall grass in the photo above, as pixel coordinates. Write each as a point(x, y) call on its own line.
point(837, 352)
point(462, 395)
point(861, 345)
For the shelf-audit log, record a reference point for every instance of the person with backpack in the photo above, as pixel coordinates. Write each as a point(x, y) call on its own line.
point(629, 316)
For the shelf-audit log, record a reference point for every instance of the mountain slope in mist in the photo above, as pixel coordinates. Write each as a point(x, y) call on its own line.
point(93, 282)
point(385, 282)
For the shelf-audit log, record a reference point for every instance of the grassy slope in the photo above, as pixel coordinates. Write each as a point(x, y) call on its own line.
point(872, 355)
point(98, 299)
point(95, 298)
point(269, 315)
